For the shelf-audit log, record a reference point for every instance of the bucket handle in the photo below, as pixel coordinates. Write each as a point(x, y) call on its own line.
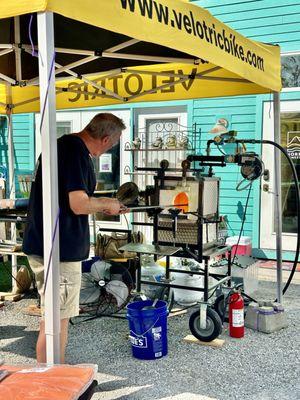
point(144, 333)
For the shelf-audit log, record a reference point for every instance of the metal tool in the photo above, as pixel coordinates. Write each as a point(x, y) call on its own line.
point(141, 208)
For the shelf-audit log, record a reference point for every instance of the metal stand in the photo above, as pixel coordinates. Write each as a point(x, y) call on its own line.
point(205, 323)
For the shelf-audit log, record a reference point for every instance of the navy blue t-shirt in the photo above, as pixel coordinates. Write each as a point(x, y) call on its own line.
point(75, 172)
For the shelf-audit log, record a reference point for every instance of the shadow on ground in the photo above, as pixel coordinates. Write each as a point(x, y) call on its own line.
point(19, 340)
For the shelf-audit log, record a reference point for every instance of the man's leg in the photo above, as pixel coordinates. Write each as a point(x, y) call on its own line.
point(64, 326)
point(41, 342)
point(69, 303)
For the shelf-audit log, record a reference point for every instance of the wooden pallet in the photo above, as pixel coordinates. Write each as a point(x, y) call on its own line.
point(214, 343)
point(33, 310)
point(10, 296)
point(177, 311)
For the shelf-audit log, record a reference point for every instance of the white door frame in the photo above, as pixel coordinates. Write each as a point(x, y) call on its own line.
point(61, 116)
point(267, 229)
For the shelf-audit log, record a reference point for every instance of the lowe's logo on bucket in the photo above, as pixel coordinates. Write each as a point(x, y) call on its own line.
point(138, 341)
point(156, 332)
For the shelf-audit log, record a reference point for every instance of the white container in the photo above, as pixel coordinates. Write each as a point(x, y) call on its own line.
point(187, 297)
point(245, 245)
point(244, 240)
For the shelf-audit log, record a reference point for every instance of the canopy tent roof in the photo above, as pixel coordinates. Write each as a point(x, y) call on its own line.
point(129, 51)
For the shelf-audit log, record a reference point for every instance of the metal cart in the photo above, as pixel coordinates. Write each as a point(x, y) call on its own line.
point(195, 235)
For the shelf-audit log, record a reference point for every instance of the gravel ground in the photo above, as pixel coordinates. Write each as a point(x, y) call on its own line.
point(259, 366)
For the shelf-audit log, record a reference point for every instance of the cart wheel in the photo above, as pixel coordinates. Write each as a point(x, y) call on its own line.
point(166, 294)
point(220, 309)
point(213, 325)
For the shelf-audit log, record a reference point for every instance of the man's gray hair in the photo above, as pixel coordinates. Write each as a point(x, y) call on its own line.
point(104, 124)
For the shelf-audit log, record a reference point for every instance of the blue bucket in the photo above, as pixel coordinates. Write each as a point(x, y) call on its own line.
point(148, 329)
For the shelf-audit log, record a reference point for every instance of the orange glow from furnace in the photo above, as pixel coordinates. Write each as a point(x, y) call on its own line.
point(182, 198)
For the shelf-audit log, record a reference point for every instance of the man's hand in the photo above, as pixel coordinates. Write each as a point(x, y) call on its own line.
point(112, 206)
point(81, 203)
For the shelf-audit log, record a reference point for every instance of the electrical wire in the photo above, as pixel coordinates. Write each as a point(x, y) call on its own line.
point(239, 188)
point(220, 150)
point(127, 222)
point(243, 222)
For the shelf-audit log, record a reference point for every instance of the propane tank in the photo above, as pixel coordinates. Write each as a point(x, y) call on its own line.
point(236, 315)
point(150, 271)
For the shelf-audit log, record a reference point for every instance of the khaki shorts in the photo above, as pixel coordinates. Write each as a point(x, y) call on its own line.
point(70, 282)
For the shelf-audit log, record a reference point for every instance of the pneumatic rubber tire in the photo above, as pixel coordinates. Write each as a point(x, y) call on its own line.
point(213, 325)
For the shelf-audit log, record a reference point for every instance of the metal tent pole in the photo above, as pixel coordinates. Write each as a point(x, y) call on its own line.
point(50, 186)
point(12, 192)
point(278, 201)
point(11, 152)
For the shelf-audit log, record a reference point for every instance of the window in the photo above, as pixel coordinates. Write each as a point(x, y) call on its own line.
point(290, 70)
point(63, 128)
point(290, 139)
point(107, 169)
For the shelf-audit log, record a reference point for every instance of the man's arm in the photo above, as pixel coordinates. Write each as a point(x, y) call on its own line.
point(81, 203)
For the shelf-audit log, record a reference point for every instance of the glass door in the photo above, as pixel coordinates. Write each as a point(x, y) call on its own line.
point(290, 140)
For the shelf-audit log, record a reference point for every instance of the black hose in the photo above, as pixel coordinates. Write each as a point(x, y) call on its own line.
point(298, 209)
point(255, 141)
point(297, 201)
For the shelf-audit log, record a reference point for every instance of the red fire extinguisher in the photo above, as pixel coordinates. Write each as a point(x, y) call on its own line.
point(236, 315)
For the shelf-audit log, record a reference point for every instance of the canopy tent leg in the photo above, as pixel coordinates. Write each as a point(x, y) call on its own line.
point(11, 192)
point(50, 183)
point(278, 202)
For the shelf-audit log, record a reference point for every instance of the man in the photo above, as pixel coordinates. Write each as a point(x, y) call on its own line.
point(76, 184)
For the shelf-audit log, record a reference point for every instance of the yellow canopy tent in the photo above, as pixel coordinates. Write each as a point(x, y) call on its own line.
point(130, 50)
point(111, 52)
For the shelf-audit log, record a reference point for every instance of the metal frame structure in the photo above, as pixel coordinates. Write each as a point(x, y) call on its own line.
point(195, 251)
point(46, 81)
point(90, 56)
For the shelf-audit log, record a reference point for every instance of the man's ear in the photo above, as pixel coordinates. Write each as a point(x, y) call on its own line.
point(105, 140)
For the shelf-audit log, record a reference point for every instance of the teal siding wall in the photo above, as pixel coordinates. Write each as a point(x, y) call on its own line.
point(241, 112)
point(23, 135)
point(270, 22)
